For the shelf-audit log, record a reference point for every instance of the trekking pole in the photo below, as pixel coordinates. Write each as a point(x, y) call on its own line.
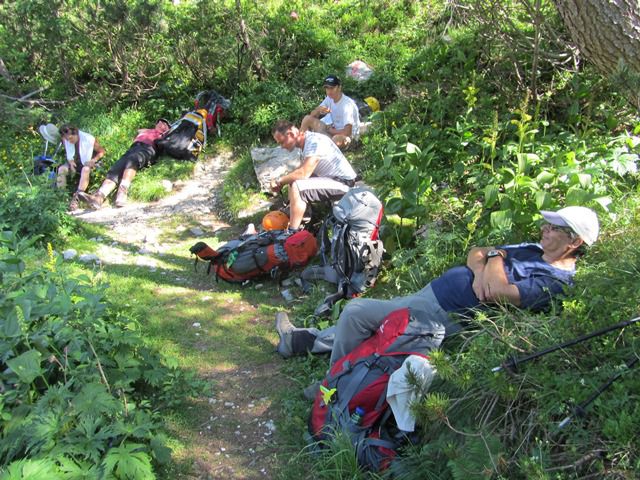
point(513, 362)
point(579, 410)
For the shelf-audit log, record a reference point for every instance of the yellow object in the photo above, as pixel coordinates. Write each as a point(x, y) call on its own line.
point(327, 394)
point(373, 103)
point(275, 220)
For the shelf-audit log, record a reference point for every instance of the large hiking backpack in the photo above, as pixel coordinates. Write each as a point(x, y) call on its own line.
point(359, 380)
point(352, 258)
point(188, 136)
point(273, 253)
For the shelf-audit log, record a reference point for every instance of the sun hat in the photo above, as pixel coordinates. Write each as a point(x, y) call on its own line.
point(332, 81)
point(49, 132)
point(581, 220)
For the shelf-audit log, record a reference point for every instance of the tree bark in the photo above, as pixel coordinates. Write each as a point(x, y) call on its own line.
point(607, 32)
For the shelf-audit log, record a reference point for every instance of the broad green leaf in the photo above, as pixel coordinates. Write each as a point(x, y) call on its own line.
point(32, 470)
point(604, 202)
point(584, 179)
point(502, 219)
point(129, 462)
point(545, 177)
point(490, 195)
point(543, 199)
point(159, 450)
point(26, 366)
point(411, 148)
point(11, 327)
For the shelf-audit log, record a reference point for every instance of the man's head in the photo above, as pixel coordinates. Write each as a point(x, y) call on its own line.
point(69, 133)
point(162, 125)
point(286, 134)
point(333, 87)
point(571, 227)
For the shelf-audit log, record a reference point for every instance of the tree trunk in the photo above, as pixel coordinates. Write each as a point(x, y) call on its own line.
point(607, 32)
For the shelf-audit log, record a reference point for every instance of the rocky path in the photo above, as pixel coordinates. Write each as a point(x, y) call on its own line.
point(232, 432)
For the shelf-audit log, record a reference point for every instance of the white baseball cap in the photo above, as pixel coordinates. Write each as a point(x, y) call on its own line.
point(581, 220)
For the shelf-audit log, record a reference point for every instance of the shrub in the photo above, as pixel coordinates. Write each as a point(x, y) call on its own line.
point(77, 378)
point(36, 209)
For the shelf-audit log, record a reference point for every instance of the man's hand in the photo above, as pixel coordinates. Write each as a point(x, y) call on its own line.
point(275, 185)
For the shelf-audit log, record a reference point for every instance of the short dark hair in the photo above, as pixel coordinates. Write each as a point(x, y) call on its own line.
point(282, 127)
point(67, 128)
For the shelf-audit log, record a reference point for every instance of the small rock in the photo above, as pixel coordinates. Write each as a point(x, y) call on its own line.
point(251, 405)
point(212, 400)
point(196, 325)
point(145, 251)
point(69, 254)
point(258, 286)
point(197, 231)
point(228, 404)
point(286, 282)
point(270, 425)
point(222, 449)
point(167, 185)
point(88, 258)
point(206, 298)
point(286, 294)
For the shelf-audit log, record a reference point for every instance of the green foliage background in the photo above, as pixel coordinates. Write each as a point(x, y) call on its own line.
point(479, 130)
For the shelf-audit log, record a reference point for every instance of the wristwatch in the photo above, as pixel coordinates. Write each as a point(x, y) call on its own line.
point(494, 253)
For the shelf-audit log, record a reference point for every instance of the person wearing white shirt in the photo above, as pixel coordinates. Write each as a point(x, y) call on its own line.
point(337, 116)
point(82, 151)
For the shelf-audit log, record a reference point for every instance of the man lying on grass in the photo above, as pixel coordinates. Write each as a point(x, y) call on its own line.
point(527, 275)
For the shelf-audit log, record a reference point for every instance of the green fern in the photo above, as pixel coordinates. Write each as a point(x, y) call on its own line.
point(32, 470)
point(128, 462)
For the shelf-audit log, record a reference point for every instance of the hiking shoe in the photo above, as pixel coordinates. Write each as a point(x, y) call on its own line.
point(94, 201)
point(122, 195)
point(285, 331)
point(74, 204)
point(311, 391)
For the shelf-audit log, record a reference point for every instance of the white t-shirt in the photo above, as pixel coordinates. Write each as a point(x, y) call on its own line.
point(342, 113)
point(332, 163)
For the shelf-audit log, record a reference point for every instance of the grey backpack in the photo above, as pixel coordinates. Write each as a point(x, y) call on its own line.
point(351, 257)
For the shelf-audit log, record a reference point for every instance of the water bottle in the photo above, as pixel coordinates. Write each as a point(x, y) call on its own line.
point(356, 416)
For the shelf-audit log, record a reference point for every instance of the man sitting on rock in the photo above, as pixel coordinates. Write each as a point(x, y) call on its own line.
point(142, 153)
point(526, 275)
point(325, 173)
point(337, 116)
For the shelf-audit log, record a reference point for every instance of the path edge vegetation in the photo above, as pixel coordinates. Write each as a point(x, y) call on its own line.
point(483, 124)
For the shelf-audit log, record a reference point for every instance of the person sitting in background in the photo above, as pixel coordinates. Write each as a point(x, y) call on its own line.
point(142, 153)
point(83, 152)
point(337, 116)
point(325, 173)
point(527, 275)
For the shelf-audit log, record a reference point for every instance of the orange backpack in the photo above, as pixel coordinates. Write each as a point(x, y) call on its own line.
point(273, 253)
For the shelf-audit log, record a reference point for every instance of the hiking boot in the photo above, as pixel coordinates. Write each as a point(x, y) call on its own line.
point(311, 391)
point(74, 204)
point(121, 197)
point(293, 341)
point(285, 331)
point(94, 201)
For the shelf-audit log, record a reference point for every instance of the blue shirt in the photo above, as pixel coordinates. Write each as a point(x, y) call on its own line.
point(537, 281)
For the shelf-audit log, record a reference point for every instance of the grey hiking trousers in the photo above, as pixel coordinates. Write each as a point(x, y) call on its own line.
point(362, 317)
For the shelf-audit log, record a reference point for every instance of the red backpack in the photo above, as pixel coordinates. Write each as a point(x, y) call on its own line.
point(273, 253)
point(359, 381)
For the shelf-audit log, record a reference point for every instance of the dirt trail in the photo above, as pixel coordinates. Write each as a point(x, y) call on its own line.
point(234, 437)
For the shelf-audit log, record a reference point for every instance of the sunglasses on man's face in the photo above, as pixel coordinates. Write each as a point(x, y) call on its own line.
point(559, 228)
